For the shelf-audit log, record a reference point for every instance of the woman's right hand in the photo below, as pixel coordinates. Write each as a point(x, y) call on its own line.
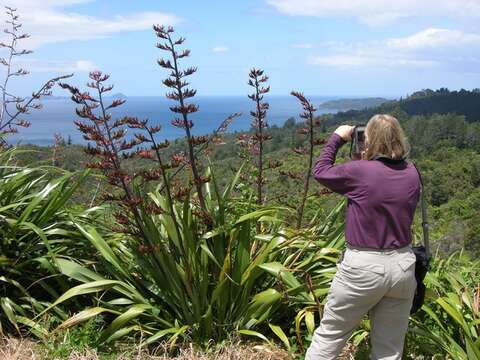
point(345, 132)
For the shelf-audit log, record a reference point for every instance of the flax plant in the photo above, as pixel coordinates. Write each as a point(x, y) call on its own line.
point(35, 228)
point(311, 123)
point(166, 274)
point(257, 80)
point(180, 92)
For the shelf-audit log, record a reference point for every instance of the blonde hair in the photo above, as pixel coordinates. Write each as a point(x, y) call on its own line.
point(385, 136)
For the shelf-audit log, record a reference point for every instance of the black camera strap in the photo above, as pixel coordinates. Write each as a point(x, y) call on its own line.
point(423, 206)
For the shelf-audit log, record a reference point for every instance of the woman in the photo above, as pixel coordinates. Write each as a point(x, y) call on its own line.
point(377, 272)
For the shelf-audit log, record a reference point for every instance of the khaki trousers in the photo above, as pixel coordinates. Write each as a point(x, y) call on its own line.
point(378, 282)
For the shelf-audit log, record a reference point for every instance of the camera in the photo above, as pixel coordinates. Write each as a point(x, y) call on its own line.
point(358, 142)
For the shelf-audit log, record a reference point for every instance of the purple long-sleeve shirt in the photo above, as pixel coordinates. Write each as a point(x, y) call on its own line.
point(382, 197)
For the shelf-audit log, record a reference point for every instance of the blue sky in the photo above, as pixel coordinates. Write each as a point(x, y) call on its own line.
point(321, 47)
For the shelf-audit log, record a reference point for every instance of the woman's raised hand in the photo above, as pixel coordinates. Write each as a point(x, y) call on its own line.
point(345, 131)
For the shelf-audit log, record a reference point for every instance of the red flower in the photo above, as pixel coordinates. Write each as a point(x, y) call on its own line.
point(145, 154)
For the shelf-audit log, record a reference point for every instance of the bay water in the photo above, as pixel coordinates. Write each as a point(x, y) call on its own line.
point(57, 116)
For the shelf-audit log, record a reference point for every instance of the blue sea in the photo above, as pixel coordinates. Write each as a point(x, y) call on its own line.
point(57, 116)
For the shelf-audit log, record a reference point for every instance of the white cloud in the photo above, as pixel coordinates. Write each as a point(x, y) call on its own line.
point(62, 67)
point(220, 49)
point(435, 38)
point(433, 47)
point(85, 65)
point(48, 22)
point(379, 12)
point(378, 61)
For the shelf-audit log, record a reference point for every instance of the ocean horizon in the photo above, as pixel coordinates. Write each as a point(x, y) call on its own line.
point(58, 114)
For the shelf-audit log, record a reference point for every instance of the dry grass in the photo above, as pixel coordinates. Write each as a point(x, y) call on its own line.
point(19, 349)
point(348, 352)
point(26, 349)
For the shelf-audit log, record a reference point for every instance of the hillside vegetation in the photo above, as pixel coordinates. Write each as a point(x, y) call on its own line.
point(352, 104)
point(424, 102)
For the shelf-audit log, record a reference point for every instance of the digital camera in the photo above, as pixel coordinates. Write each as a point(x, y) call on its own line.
point(358, 142)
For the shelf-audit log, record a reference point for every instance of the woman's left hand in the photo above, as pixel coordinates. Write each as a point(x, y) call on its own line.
point(345, 131)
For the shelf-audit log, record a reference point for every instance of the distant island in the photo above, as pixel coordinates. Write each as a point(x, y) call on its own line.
point(353, 104)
